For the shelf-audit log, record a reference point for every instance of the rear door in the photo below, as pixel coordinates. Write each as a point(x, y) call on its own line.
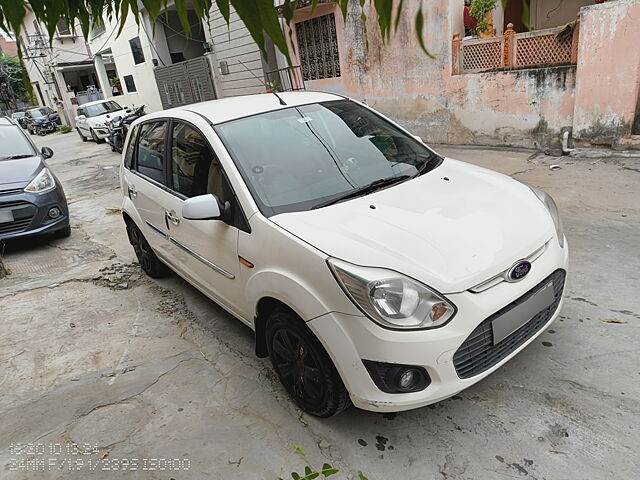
point(145, 182)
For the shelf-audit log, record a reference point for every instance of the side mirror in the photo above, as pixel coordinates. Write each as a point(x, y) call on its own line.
point(80, 117)
point(202, 207)
point(46, 152)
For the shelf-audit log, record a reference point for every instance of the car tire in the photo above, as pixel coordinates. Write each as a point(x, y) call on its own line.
point(95, 137)
point(303, 366)
point(149, 262)
point(82, 137)
point(64, 233)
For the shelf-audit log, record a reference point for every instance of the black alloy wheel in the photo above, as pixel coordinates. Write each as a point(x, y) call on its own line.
point(149, 262)
point(303, 366)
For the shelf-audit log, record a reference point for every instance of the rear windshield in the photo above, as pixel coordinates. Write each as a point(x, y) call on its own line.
point(13, 143)
point(101, 109)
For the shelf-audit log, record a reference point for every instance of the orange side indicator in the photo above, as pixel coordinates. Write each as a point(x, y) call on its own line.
point(245, 262)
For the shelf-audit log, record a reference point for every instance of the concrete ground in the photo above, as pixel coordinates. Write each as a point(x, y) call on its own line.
point(105, 373)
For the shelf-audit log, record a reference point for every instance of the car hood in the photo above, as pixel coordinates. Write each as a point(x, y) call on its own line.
point(19, 171)
point(451, 228)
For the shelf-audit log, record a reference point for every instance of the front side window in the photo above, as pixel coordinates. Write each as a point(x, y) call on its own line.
point(136, 50)
point(13, 143)
point(101, 109)
point(301, 157)
point(195, 170)
point(151, 151)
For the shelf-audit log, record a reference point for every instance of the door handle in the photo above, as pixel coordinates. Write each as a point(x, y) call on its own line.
point(133, 193)
point(172, 218)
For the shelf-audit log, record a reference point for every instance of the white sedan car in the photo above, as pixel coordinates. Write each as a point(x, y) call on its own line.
point(91, 119)
point(372, 270)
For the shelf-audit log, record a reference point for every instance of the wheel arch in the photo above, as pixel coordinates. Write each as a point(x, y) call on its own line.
point(264, 308)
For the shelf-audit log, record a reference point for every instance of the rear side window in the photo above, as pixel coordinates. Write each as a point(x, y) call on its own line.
point(151, 151)
point(195, 170)
point(131, 147)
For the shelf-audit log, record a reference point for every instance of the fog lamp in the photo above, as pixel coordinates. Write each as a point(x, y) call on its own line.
point(54, 212)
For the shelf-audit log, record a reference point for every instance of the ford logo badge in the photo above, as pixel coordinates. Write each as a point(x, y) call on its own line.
point(518, 271)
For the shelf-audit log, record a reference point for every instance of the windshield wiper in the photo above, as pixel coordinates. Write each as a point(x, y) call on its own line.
point(15, 157)
point(364, 190)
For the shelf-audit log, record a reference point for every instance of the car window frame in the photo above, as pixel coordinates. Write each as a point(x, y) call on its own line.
point(241, 221)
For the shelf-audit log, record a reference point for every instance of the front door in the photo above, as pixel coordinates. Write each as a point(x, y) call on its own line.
point(206, 251)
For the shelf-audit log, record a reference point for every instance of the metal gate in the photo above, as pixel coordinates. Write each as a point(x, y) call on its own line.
point(90, 95)
point(185, 82)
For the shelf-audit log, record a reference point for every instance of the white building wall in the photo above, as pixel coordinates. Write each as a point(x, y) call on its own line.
point(109, 43)
point(233, 44)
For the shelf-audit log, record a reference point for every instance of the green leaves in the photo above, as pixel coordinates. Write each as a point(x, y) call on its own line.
point(261, 17)
point(328, 470)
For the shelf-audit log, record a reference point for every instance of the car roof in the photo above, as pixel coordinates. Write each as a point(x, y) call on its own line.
point(232, 108)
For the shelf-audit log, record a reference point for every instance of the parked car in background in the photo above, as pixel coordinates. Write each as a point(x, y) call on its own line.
point(92, 118)
point(32, 201)
point(42, 120)
point(19, 117)
point(371, 268)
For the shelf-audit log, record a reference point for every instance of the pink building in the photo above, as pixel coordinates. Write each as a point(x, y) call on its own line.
point(578, 70)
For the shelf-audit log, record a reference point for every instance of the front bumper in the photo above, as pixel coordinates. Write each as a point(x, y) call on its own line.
point(101, 132)
point(350, 339)
point(30, 213)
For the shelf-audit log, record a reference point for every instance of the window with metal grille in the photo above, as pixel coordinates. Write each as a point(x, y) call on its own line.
point(318, 46)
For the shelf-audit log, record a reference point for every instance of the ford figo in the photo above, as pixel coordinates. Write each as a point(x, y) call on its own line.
point(372, 270)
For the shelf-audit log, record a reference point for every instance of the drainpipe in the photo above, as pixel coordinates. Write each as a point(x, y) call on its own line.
point(565, 143)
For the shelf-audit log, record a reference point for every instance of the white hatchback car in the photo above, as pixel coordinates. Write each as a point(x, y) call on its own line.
point(371, 269)
point(91, 119)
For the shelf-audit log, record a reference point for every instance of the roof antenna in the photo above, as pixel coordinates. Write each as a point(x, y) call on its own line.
point(278, 96)
point(267, 86)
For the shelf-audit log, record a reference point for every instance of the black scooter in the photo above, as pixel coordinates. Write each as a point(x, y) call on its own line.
point(119, 126)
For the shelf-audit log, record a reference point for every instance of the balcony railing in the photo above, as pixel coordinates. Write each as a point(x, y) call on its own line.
point(288, 79)
point(540, 48)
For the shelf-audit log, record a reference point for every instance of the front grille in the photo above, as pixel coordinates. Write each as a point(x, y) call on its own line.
point(12, 191)
point(23, 213)
point(478, 353)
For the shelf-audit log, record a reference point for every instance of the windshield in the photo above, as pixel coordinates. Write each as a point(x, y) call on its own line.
point(17, 115)
point(101, 109)
point(13, 143)
point(40, 112)
point(301, 157)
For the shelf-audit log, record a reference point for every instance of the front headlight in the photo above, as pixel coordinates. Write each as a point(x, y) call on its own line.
point(43, 182)
point(548, 202)
point(391, 299)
